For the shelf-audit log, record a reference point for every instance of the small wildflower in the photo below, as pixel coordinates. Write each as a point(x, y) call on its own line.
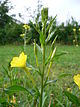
point(13, 99)
point(19, 61)
point(26, 27)
point(74, 41)
point(77, 80)
point(77, 45)
point(79, 29)
point(69, 89)
point(74, 30)
point(5, 85)
point(22, 35)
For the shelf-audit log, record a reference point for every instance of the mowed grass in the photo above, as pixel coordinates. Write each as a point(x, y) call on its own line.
point(67, 63)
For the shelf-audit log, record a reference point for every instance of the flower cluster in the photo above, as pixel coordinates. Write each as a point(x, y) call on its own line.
point(22, 35)
point(26, 27)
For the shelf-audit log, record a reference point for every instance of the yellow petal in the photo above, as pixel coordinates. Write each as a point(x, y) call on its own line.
point(19, 61)
point(77, 79)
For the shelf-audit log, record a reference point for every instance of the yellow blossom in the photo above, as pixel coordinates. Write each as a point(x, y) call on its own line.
point(69, 89)
point(22, 35)
point(77, 80)
point(19, 61)
point(26, 26)
point(74, 30)
point(79, 29)
point(74, 41)
point(76, 45)
point(13, 99)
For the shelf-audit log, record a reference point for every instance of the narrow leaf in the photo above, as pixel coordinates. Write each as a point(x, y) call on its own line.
point(50, 24)
point(6, 71)
point(51, 56)
point(50, 36)
point(64, 75)
point(39, 48)
point(16, 88)
point(44, 99)
point(74, 99)
point(53, 43)
point(35, 27)
point(51, 81)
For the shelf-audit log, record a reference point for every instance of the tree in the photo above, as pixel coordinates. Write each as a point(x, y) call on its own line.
point(4, 9)
point(9, 28)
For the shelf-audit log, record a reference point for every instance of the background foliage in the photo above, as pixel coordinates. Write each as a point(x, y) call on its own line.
point(10, 29)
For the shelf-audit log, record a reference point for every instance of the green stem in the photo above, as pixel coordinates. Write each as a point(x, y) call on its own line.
point(30, 77)
point(48, 73)
point(42, 77)
point(25, 41)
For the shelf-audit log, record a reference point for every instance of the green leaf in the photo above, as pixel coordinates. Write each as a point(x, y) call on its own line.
point(50, 24)
point(16, 88)
point(74, 99)
point(52, 46)
point(39, 48)
point(59, 103)
point(50, 36)
point(6, 71)
point(60, 54)
point(3, 102)
point(50, 81)
point(35, 27)
point(53, 43)
point(44, 99)
point(51, 56)
point(64, 75)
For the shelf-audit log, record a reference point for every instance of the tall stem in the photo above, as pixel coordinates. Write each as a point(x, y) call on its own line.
point(25, 41)
point(42, 77)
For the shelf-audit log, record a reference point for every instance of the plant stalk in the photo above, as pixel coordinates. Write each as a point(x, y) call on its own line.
point(42, 77)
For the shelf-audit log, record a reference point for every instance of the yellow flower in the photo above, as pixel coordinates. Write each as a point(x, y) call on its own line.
point(79, 29)
point(22, 35)
point(76, 45)
point(26, 26)
point(77, 80)
point(74, 41)
point(13, 99)
point(74, 30)
point(69, 89)
point(19, 61)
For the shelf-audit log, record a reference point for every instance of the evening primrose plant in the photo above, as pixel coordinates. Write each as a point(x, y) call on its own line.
point(36, 83)
point(21, 61)
point(24, 35)
point(75, 41)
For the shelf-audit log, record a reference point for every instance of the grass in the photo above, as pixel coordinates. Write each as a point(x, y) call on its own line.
point(67, 63)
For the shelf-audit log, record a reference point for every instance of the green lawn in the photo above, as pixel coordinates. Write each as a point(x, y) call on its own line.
point(67, 63)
